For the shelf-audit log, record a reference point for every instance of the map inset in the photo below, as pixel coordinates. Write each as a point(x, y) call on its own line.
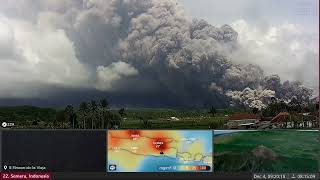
point(159, 150)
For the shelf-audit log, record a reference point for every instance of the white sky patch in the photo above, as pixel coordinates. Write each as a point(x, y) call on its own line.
point(32, 57)
point(107, 76)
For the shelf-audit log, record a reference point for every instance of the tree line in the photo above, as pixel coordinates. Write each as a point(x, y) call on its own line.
point(87, 115)
point(90, 115)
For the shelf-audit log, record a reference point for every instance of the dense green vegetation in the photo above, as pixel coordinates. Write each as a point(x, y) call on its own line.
point(281, 152)
point(88, 115)
point(98, 115)
point(28, 116)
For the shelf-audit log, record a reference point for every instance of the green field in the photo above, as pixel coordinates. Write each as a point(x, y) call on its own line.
point(133, 118)
point(268, 151)
point(188, 119)
point(184, 123)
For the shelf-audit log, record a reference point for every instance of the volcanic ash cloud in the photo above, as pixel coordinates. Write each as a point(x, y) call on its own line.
point(112, 44)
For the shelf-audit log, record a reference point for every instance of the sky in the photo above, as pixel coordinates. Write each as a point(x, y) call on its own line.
point(134, 50)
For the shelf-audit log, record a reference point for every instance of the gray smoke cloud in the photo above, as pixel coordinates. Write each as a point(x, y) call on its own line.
point(253, 98)
point(141, 46)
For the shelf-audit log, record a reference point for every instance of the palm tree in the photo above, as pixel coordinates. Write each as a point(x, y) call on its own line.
point(68, 112)
point(213, 111)
point(74, 119)
point(83, 112)
point(93, 111)
point(60, 118)
point(103, 112)
point(104, 103)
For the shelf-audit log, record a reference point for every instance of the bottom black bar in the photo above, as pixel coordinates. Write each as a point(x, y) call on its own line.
point(153, 176)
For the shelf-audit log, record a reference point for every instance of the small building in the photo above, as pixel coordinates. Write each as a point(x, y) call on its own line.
point(173, 119)
point(243, 121)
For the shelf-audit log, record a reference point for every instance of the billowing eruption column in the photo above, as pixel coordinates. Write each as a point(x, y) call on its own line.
point(152, 50)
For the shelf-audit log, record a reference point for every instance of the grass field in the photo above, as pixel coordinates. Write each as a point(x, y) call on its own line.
point(183, 123)
point(268, 151)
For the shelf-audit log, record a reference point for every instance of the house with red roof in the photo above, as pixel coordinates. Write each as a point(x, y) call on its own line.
point(280, 117)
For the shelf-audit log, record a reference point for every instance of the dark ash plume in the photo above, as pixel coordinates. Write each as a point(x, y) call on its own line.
point(148, 46)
